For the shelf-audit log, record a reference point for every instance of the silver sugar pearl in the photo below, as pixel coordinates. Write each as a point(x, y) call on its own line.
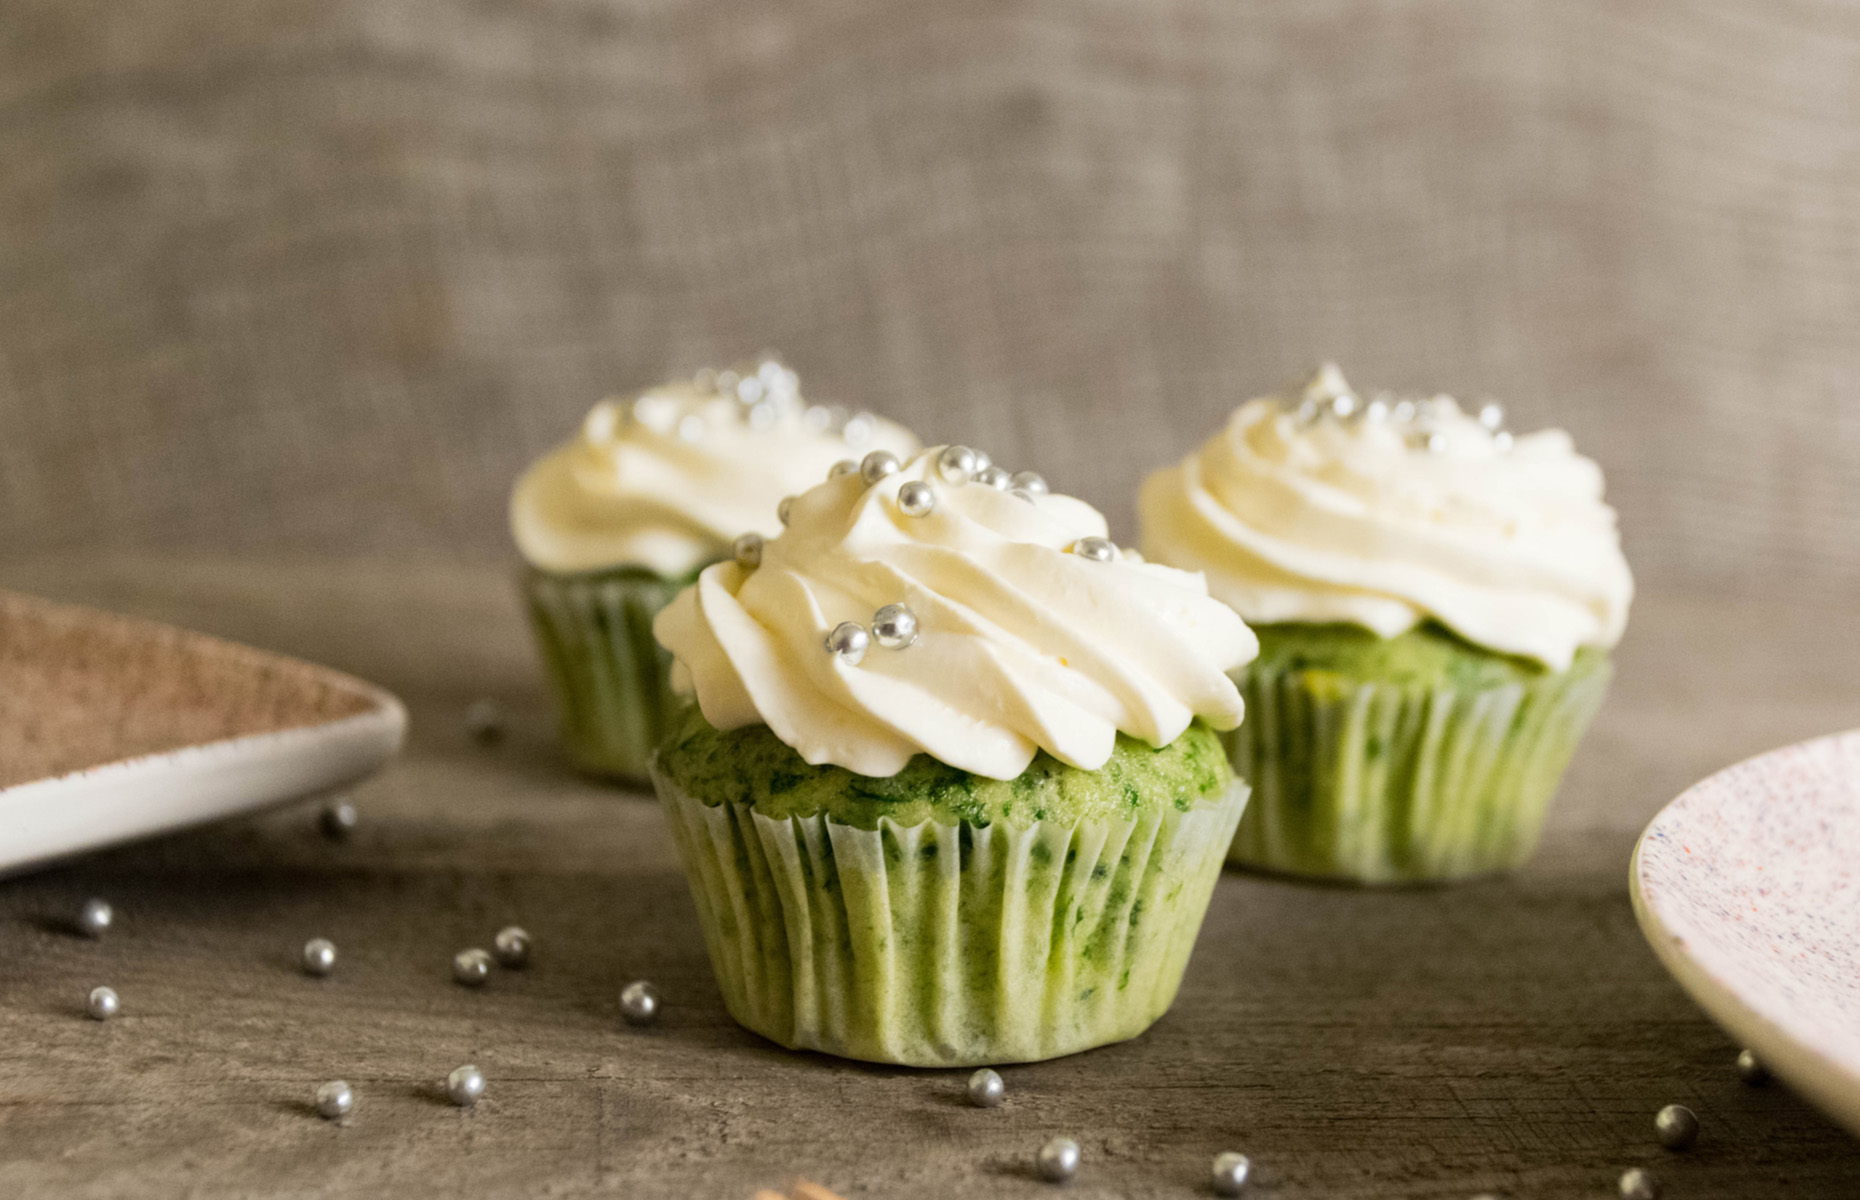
point(471, 967)
point(639, 1003)
point(1231, 1173)
point(484, 721)
point(1342, 405)
point(824, 418)
point(1638, 1184)
point(749, 390)
point(512, 946)
point(993, 477)
point(878, 465)
point(1058, 1160)
point(102, 1004)
point(337, 821)
point(95, 918)
point(747, 550)
point(1307, 413)
point(1502, 440)
point(1028, 481)
point(859, 429)
point(1433, 443)
point(1095, 548)
point(465, 1085)
point(957, 464)
point(894, 626)
point(318, 957)
point(784, 511)
point(691, 428)
point(916, 499)
point(1403, 411)
point(1376, 411)
point(845, 466)
point(986, 1089)
point(1492, 416)
point(1677, 1127)
point(1751, 1070)
point(762, 416)
point(728, 379)
point(334, 1100)
point(848, 641)
point(982, 461)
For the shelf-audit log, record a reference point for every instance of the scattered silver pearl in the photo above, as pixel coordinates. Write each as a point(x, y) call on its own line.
point(859, 429)
point(465, 1085)
point(639, 1003)
point(1307, 413)
point(849, 641)
point(95, 918)
point(1492, 416)
point(334, 1100)
point(1677, 1127)
point(982, 461)
point(1231, 1173)
point(894, 626)
point(484, 721)
point(1502, 440)
point(762, 416)
point(957, 464)
point(845, 466)
point(916, 499)
point(878, 465)
point(337, 821)
point(748, 551)
point(785, 510)
point(1639, 1184)
point(1751, 1070)
point(993, 477)
point(1095, 548)
point(1403, 411)
point(1342, 405)
point(825, 418)
point(691, 428)
point(986, 1089)
point(1376, 411)
point(1432, 442)
point(471, 967)
point(102, 1004)
point(318, 957)
point(1058, 1160)
point(1029, 481)
point(749, 390)
point(512, 946)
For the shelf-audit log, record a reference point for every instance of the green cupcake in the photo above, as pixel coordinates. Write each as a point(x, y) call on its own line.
point(615, 522)
point(1435, 600)
point(952, 793)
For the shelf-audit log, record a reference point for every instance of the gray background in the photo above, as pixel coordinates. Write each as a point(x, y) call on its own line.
point(299, 279)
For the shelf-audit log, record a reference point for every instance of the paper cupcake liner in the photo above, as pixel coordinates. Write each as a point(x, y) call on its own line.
point(949, 945)
point(1380, 783)
point(609, 676)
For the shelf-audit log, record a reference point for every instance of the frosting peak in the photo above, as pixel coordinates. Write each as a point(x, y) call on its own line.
point(1323, 506)
point(1018, 629)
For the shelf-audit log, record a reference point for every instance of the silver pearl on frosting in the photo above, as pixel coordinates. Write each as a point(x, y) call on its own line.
point(986, 1089)
point(848, 641)
point(845, 466)
point(1492, 416)
point(1342, 405)
point(993, 477)
point(465, 1085)
point(1058, 1160)
point(727, 380)
point(334, 1100)
point(95, 918)
point(1231, 1173)
point(1028, 481)
point(691, 428)
point(639, 1003)
point(749, 390)
point(1677, 1127)
point(894, 626)
point(859, 429)
point(102, 1004)
point(916, 499)
point(1751, 1070)
point(1376, 411)
point(1638, 1183)
point(957, 464)
point(471, 967)
point(337, 821)
point(512, 946)
point(318, 957)
point(1403, 411)
point(762, 416)
point(982, 461)
point(784, 512)
point(878, 465)
point(1502, 440)
point(1095, 548)
point(747, 550)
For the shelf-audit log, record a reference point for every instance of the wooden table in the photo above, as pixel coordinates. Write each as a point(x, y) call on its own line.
point(1512, 1036)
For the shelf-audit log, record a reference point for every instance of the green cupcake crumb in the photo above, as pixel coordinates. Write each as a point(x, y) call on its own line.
point(1428, 655)
point(751, 766)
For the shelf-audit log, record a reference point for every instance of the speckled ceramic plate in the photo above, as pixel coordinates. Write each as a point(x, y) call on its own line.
point(113, 728)
point(1748, 887)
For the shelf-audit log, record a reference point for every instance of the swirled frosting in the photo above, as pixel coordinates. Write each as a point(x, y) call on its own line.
point(669, 478)
point(1322, 506)
point(1022, 640)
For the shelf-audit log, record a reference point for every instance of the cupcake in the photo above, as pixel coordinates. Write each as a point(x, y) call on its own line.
point(952, 790)
point(1435, 600)
point(654, 488)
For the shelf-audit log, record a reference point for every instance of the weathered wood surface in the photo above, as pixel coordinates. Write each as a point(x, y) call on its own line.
point(1512, 1036)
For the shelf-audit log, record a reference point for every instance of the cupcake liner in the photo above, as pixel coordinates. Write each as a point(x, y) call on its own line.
point(609, 675)
point(949, 945)
point(1384, 783)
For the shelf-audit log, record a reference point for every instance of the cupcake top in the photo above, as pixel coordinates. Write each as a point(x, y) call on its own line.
point(941, 606)
point(667, 478)
point(1321, 506)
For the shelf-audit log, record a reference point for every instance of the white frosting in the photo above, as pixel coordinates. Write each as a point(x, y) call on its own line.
point(668, 479)
point(1324, 507)
point(1021, 645)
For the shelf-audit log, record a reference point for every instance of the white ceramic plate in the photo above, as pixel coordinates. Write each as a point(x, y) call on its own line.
point(113, 728)
point(1748, 887)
